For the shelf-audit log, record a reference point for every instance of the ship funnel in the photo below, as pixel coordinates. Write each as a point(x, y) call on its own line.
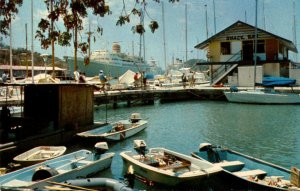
point(116, 48)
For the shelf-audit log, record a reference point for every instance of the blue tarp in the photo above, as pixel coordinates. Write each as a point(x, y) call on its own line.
point(277, 81)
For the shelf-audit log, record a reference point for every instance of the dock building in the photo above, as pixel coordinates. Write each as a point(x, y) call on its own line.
point(231, 54)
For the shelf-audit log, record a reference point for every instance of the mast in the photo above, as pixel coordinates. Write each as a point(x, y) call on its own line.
point(186, 49)
point(215, 26)
point(32, 60)
point(52, 42)
point(10, 54)
point(26, 51)
point(206, 21)
point(255, 43)
point(294, 31)
point(164, 34)
point(264, 18)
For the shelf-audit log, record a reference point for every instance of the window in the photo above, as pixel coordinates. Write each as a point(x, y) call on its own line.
point(225, 48)
point(260, 46)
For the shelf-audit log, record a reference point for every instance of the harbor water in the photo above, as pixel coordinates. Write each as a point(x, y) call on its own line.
point(268, 132)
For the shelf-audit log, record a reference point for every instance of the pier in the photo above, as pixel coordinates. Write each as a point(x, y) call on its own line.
point(147, 96)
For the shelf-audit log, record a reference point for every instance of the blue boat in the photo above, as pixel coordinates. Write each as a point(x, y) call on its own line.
point(245, 170)
point(82, 163)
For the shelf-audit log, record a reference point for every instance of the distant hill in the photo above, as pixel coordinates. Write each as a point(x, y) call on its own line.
point(192, 64)
point(19, 58)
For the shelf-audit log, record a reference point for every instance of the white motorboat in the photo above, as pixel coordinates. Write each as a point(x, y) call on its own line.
point(39, 154)
point(262, 97)
point(117, 131)
point(81, 163)
point(168, 167)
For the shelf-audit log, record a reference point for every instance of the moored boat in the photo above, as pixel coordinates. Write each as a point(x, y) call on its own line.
point(167, 167)
point(39, 154)
point(117, 131)
point(262, 97)
point(249, 171)
point(81, 163)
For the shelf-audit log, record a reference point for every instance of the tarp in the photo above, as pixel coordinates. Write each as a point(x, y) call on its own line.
point(277, 81)
point(127, 77)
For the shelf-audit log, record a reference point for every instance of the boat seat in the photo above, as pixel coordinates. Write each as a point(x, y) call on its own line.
point(17, 183)
point(256, 172)
point(231, 166)
point(85, 162)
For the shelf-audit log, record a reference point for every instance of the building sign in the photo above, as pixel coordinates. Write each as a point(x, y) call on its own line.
point(241, 37)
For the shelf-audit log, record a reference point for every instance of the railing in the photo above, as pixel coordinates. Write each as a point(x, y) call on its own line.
point(224, 67)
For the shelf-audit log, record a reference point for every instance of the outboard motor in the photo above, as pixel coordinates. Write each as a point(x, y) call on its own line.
point(130, 176)
point(43, 172)
point(140, 147)
point(100, 148)
point(135, 117)
point(205, 146)
point(212, 153)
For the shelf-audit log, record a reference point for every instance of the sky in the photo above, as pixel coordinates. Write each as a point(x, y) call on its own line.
point(275, 16)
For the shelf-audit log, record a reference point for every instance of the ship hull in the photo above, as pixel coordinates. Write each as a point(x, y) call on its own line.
point(110, 69)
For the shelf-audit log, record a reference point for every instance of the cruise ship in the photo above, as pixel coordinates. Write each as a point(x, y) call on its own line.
point(114, 63)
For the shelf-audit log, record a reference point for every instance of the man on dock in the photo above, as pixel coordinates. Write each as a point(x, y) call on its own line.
point(102, 79)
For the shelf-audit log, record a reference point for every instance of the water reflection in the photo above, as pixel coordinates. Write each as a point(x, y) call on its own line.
point(269, 132)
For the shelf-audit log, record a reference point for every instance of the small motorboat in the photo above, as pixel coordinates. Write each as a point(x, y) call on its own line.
point(167, 167)
point(39, 154)
point(117, 131)
point(247, 171)
point(82, 163)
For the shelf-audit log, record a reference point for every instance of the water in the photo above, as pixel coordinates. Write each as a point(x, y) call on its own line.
point(269, 132)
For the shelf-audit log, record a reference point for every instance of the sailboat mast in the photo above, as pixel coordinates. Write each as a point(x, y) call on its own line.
point(164, 34)
point(10, 54)
point(255, 43)
point(295, 33)
point(32, 60)
point(52, 42)
point(186, 49)
point(215, 25)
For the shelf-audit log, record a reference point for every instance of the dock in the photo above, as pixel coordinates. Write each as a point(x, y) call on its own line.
point(150, 95)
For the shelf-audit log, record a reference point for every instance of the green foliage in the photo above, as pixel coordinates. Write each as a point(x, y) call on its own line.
point(8, 10)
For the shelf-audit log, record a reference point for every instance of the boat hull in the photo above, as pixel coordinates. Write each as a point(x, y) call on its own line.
point(169, 177)
point(39, 154)
point(78, 164)
point(261, 97)
point(250, 164)
point(121, 135)
point(105, 133)
point(109, 69)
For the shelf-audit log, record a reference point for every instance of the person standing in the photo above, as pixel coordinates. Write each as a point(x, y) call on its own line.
point(76, 75)
point(4, 77)
point(102, 79)
point(144, 80)
point(82, 77)
point(136, 79)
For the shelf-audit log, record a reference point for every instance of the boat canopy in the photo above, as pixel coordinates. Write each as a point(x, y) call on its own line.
point(277, 81)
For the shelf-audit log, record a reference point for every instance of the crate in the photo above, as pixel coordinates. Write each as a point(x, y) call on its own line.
point(295, 176)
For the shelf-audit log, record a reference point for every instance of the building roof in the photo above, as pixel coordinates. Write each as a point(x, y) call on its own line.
point(43, 68)
point(239, 28)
